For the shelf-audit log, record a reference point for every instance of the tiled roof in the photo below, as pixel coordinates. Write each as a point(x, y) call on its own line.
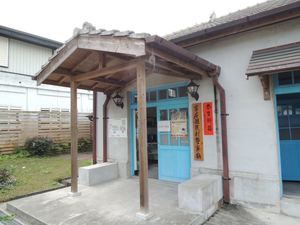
point(89, 29)
point(244, 13)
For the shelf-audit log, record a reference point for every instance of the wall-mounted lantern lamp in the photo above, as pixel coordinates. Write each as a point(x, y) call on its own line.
point(118, 100)
point(192, 89)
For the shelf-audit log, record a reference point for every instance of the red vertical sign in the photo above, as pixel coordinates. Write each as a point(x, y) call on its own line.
point(208, 118)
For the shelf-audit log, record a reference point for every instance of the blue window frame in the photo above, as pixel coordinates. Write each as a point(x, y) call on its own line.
point(163, 93)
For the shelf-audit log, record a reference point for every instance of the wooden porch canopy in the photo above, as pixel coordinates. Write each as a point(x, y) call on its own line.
point(107, 61)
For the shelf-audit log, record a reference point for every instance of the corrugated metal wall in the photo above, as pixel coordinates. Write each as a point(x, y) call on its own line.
point(26, 58)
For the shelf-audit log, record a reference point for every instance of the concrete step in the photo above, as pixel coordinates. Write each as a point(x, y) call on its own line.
point(290, 206)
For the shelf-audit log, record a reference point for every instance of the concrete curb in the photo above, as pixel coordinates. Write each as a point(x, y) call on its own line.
point(23, 216)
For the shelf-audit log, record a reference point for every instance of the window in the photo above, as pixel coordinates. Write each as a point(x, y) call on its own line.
point(172, 92)
point(152, 96)
point(3, 52)
point(182, 91)
point(285, 78)
point(288, 111)
point(162, 94)
point(297, 77)
point(289, 78)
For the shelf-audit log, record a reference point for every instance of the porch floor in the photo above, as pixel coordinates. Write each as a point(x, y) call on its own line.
point(110, 203)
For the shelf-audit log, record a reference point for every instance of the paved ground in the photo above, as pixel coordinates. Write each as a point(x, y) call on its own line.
point(111, 203)
point(117, 202)
point(237, 215)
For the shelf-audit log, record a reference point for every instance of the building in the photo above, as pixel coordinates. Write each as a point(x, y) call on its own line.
point(21, 56)
point(241, 122)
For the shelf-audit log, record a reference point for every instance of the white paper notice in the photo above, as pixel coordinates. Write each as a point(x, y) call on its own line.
point(164, 126)
point(118, 128)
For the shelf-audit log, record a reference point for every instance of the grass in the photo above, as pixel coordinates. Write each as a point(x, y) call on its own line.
point(36, 174)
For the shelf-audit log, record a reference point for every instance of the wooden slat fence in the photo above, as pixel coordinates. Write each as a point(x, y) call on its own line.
point(17, 126)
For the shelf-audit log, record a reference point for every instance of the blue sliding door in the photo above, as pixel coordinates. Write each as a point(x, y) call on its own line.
point(288, 110)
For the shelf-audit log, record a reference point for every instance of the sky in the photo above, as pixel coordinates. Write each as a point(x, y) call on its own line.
point(56, 19)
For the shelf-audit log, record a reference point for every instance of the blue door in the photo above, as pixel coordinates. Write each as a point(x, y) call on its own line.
point(173, 151)
point(288, 111)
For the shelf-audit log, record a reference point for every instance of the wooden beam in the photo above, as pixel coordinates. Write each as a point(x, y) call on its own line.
point(170, 58)
point(142, 138)
point(112, 82)
point(94, 85)
point(74, 138)
point(64, 53)
point(123, 45)
point(67, 84)
point(164, 69)
point(264, 79)
point(63, 79)
point(107, 70)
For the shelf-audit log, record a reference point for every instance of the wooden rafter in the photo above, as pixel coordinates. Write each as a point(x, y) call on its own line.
point(82, 62)
point(63, 79)
point(107, 70)
point(175, 60)
point(165, 69)
point(112, 82)
point(65, 84)
point(65, 53)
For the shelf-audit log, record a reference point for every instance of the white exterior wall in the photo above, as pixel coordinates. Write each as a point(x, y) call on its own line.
point(18, 90)
point(252, 143)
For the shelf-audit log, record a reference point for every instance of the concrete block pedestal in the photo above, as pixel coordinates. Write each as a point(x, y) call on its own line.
point(201, 194)
point(98, 173)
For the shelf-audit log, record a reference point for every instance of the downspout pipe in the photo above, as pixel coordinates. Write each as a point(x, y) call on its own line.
point(105, 120)
point(226, 179)
point(94, 135)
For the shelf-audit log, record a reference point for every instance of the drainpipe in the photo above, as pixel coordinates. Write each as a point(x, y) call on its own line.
point(105, 119)
point(226, 178)
point(94, 135)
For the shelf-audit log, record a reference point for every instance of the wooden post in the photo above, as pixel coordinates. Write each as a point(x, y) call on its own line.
point(74, 138)
point(142, 137)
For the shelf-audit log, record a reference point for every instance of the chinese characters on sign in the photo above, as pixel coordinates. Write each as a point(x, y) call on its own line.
point(179, 123)
point(197, 131)
point(208, 118)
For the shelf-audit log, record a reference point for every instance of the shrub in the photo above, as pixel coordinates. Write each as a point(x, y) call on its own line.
point(84, 145)
point(6, 178)
point(21, 152)
point(61, 148)
point(40, 146)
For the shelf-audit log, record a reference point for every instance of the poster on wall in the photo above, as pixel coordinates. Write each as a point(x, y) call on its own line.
point(208, 118)
point(179, 124)
point(117, 128)
point(197, 131)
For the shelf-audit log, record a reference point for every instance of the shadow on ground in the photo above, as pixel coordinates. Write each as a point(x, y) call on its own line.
point(233, 215)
